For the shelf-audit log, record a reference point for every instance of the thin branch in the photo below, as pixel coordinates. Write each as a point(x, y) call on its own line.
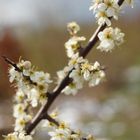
point(9, 61)
point(12, 63)
point(38, 118)
point(50, 119)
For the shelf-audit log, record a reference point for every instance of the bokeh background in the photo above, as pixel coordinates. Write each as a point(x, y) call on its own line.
point(36, 30)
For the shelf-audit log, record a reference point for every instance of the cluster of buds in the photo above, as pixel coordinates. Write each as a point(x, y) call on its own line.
point(73, 45)
point(63, 130)
point(82, 71)
point(105, 10)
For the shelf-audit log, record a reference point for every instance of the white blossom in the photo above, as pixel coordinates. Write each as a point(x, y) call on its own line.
point(19, 96)
point(77, 76)
point(73, 45)
point(13, 74)
point(61, 133)
point(72, 88)
point(97, 75)
point(86, 69)
point(20, 124)
point(19, 110)
point(75, 61)
point(27, 68)
point(104, 10)
point(40, 77)
point(110, 37)
point(61, 74)
point(118, 36)
point(73, 28)
point(33, 96)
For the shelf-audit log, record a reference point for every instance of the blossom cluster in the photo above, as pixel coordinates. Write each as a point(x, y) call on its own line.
point(109, 38)
point(73, 45)
point(63, 130)
point(30, 83)
point(82, 71)
point(32, 87)
point(104, 10)
point(18, 136)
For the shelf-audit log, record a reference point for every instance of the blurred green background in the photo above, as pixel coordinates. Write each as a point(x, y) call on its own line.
point(36, 30)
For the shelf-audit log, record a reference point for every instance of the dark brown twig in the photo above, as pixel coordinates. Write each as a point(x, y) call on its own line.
point(50, 119)
point(10, 62)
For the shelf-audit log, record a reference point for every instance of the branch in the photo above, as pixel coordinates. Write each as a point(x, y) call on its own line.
point(66, 81)
point(93, 40)
point(11, 63)
point(50, 119)
point(42, 113)
point(18, 69)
